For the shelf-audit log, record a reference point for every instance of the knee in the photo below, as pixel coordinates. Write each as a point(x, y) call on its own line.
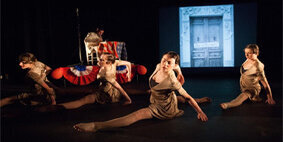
point(143, 113)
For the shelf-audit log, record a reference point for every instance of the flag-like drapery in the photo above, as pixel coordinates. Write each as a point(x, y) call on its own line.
point(84, 75)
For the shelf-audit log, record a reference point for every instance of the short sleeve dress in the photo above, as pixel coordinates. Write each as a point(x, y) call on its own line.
point(38, 95)
point(106, 92)
point(163, 99)
point(249, 81)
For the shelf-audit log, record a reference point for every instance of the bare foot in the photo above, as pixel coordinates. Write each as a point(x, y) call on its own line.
point(223, 106)
point(4, 102)
point(203, 100)
point(85, 127)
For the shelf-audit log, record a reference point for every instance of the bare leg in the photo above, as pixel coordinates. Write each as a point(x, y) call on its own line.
point(69, 105)
point(127, 120)
point(8, 100)
point(136, 91)
point(89, 99)
point(236, 102)
point(203, 100)
point(181, 99)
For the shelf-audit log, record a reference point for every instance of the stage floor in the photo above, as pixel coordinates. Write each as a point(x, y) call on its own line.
point(252, 122)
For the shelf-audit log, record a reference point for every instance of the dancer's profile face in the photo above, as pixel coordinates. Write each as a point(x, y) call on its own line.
point(101, 32)
point(167, 63)
point(24, 65)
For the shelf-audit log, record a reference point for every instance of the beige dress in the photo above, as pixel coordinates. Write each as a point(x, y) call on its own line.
point(249, 81)
point(163, 99)
point(106, 92)
point(38, 94)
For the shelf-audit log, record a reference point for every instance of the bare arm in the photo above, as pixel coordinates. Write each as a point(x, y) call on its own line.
point(264, 82)
point(118, 86)
point(47, 69)
point(201, 115)
point(50, 91)
point(126, 63)
point(180, 76)
point(266, 86)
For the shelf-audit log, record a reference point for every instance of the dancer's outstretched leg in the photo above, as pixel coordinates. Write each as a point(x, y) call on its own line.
point(236, 102)
point(181, 99)
point(127, 120)
point(8, 100)
point(89, 99)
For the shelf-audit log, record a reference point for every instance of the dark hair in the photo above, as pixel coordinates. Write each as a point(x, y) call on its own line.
point(110, 57)
point(100, 27)
point(27, 58)
point(254, 48)
point(174, 55)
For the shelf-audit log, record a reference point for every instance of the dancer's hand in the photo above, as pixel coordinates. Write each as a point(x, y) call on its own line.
point(270, 101)
point(129, 77)
point(202, 116)
point(127, 102)
point(53, 100)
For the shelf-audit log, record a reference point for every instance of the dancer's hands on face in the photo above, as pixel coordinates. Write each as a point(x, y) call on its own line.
point(202, 116)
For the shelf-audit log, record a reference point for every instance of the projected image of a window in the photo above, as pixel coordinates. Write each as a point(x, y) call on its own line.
point(206, 36)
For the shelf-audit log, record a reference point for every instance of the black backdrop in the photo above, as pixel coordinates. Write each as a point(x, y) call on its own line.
point(49, 30)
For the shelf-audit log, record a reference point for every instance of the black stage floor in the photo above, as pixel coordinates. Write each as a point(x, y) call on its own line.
point(252, 122)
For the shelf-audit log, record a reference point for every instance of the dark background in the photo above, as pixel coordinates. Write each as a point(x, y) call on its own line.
point(49, 29)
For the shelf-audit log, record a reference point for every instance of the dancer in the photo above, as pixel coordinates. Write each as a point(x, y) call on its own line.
point(252, 71)
point(108, 91)
point(163, 83)
point(41, 93)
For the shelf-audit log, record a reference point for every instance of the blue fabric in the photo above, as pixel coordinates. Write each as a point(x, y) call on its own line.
point(120, 68)
point(80, 67)
point(122, 51)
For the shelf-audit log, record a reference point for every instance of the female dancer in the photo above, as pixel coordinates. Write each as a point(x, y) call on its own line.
point(41, 93)
point(252, 71)
point(108, 91)
point(163, 83)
